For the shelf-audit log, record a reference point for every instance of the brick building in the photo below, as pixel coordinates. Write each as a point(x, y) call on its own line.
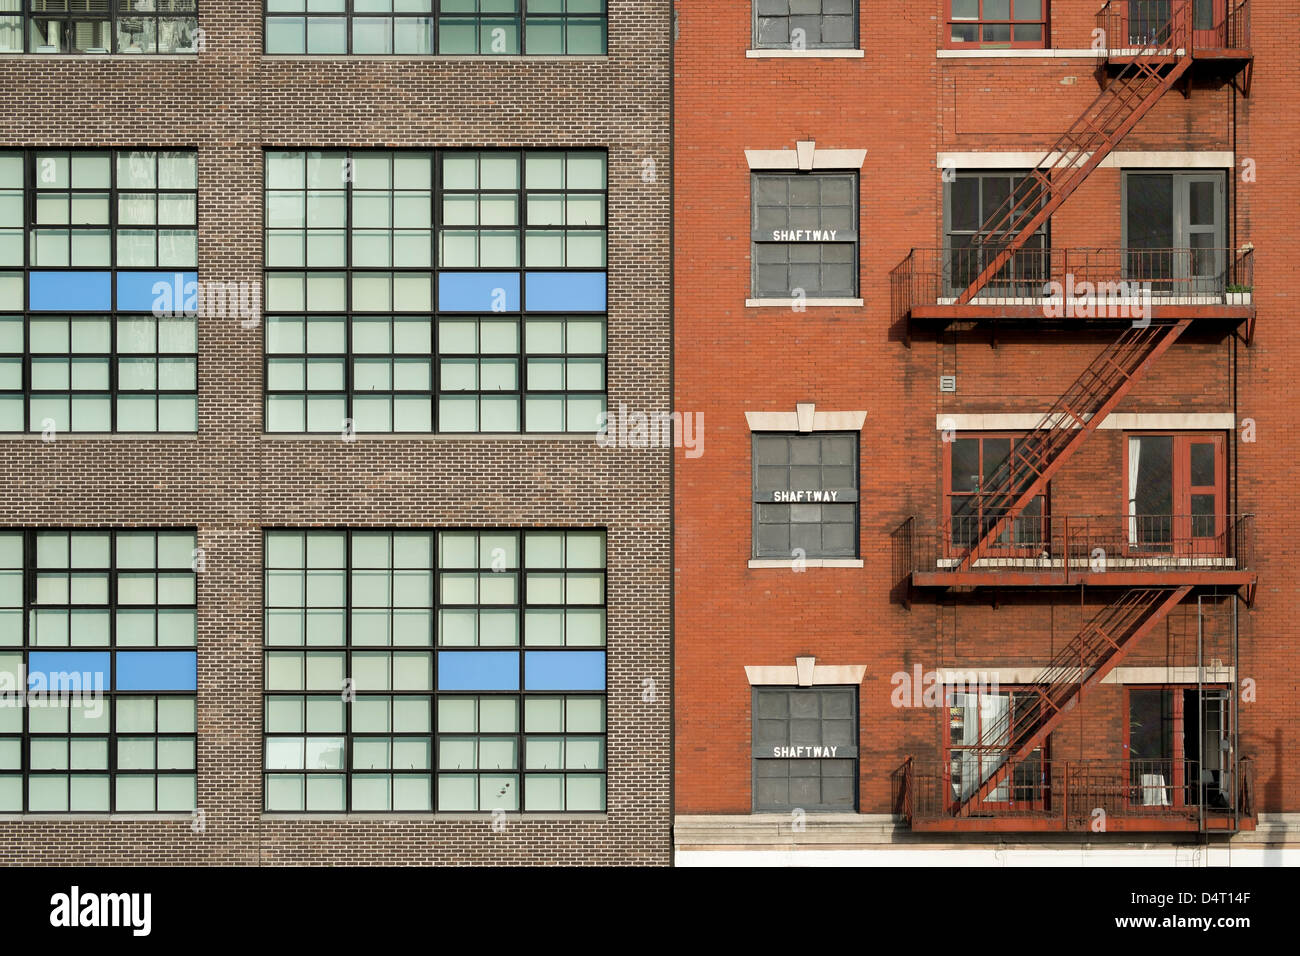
point(980, 302)
point(310, 554)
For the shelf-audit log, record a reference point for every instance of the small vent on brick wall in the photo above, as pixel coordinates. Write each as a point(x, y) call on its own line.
point(947, 383)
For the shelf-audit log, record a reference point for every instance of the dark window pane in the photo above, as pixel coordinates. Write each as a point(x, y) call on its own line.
point(1202, 463)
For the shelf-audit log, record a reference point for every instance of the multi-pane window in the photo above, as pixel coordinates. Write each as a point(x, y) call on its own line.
point(978, 204)
point(447, 27)
point(805, 748)
point(997, 23)
point(805, 24)
point(978, 471)
point(93, 336)
point(805, 495)
point(97, 671)
point(422, 670)
point(99, 26)
point(422, 291)
point(980, 728)
point(805, 235)
point(1176, 489)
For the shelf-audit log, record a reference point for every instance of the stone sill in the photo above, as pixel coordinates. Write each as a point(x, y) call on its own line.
point(837, 54)
point(810, 303)
point(116, 57)
point(806, 563)
point(1013, 54)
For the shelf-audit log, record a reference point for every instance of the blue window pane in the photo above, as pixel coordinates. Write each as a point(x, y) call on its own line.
point(156, 292)
point(564, 670)
point(565, 291)
point(478, 292)
point(67, 670)
point(478, 670)
point(70, 292)
point(157, 670)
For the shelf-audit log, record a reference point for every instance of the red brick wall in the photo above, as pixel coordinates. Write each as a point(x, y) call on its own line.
point(904, 104)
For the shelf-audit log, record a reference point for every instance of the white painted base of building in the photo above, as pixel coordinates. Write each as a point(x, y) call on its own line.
point(878, 840)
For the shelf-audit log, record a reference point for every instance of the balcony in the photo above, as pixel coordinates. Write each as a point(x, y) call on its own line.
point(1220, 30)
point(1055, 551)
point(1075, 286)
point(1109, 796)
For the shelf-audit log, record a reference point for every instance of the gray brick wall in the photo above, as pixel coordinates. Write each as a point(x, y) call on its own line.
point(231, 480)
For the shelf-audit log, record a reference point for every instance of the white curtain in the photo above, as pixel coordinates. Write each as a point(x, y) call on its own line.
point(984, 720)
point(1134, 456)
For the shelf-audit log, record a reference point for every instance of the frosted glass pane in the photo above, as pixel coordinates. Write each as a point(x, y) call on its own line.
point(135, 715)
point(284, 792)
point(545, 627)
point(457, 792)
point(543, 715)
point(456, 715)
point(370, 715)
point(324, 671)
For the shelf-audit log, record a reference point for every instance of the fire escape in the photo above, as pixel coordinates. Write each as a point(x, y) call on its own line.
point(1001, 277)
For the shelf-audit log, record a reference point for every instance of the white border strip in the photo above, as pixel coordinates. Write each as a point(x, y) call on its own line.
point(1119, 159)
point(1116, 421)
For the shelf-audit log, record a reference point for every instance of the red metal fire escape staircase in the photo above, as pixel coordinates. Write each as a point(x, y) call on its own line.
point(1077, 413)
point(1067, 425)
point(1116, 110)
point(1083, 663)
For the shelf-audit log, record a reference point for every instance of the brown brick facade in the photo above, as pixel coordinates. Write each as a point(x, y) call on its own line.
point(231, 480)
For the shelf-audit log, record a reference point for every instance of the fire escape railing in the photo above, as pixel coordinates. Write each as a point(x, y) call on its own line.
point(1067, 546)
point(1131, 25)
point(1077, 282)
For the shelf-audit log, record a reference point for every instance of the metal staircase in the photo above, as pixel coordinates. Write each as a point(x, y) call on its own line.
point(1082, 663)
point(1166, 54)
point(1069, 423)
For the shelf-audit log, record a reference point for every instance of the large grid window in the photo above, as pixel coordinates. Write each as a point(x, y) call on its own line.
point(447, 27)
point(367, 253)
point(805, 496)
point(805, 235)
point(99, 26)
point(422, 670)
point(997, 23)
point(805, 24)
point(84, 345)
point(97, 671)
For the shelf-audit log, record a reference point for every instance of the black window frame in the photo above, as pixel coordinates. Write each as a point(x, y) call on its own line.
point(350, 15)
point(1028, 267)
point(761, 754)
point(522, 356)
point(116, 318)
point(847, 495)
point(109, 695)
point(112, 12)
point(433, 694)
point(762, 238)
point(771, 10)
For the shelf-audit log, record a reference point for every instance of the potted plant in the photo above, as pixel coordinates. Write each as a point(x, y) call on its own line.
point(1237, 294)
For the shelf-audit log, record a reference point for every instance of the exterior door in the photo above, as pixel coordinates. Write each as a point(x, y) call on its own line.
point(1174, 231)
point(1176, 494)
point(1208, 23)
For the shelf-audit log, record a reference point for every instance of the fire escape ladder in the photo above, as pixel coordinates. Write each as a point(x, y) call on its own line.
point(1059, 433)
point(1116, 110)
point(1084, 662)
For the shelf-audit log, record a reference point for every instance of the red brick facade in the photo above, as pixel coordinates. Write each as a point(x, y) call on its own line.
point(905, 105)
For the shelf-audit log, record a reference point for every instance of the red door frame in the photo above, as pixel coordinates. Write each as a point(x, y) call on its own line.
point(1010, 550)
point(1178, 776)
point(1183, 544)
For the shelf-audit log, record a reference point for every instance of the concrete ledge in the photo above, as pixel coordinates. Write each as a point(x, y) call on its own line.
point(838, 54)
point(806, 563)
point(100, 436)
point(1007, 54)
point(810, 303)
point(768, 830)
